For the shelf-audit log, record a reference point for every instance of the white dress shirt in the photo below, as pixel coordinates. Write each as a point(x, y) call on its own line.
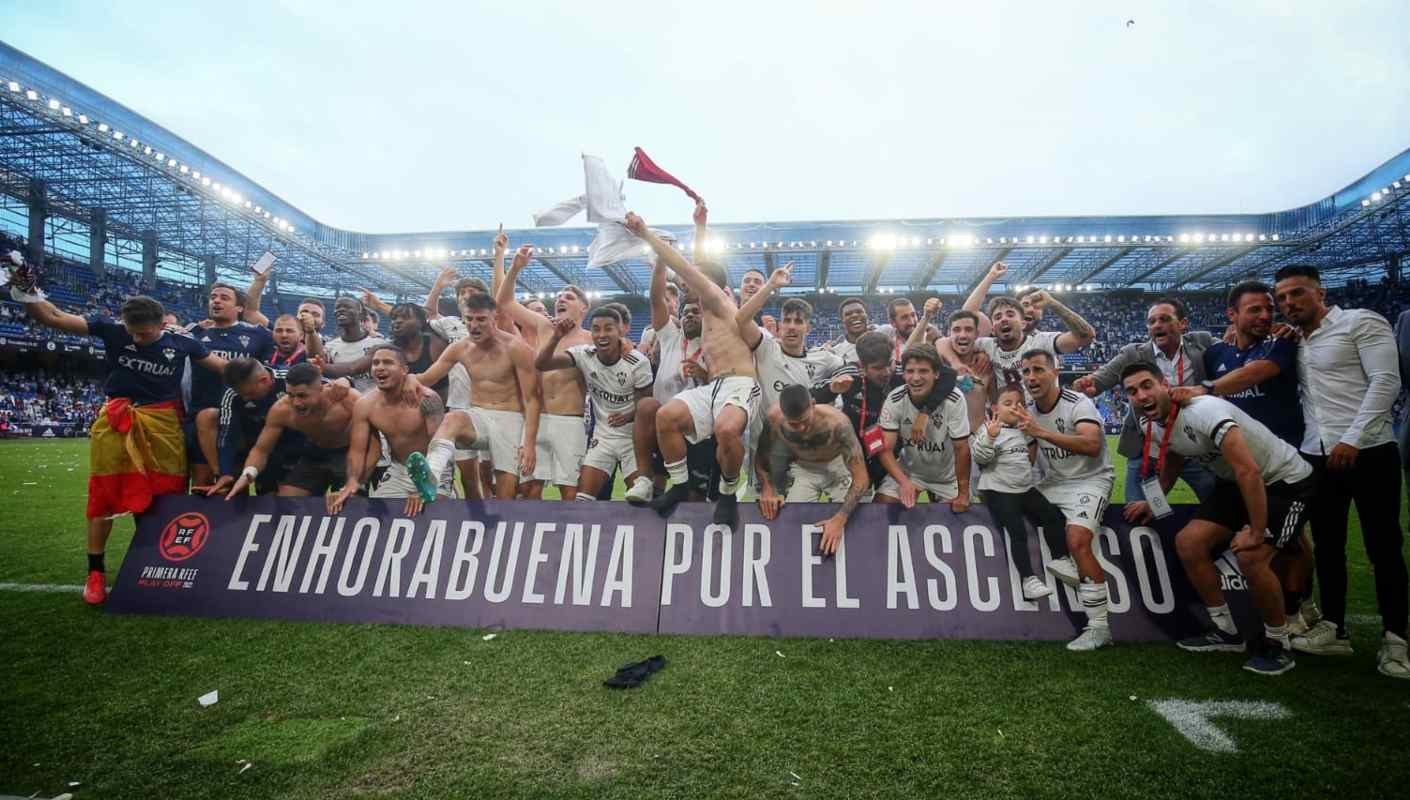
point(1349, 373)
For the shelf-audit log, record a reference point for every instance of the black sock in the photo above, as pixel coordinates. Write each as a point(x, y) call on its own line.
point(95, 561)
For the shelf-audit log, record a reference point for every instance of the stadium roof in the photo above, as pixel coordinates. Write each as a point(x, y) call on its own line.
point(93, 153)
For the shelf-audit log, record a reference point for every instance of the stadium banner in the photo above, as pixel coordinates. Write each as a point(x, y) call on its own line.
point(513, 564)
point(922, 573)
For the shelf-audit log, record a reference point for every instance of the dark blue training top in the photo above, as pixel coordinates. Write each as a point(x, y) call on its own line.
point(236, 341)
point(1273, 402)
point(147, 373)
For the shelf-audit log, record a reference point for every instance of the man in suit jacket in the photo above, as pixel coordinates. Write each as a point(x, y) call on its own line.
point(1179, 355)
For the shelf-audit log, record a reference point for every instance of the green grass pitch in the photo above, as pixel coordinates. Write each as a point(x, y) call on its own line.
point(325, 710)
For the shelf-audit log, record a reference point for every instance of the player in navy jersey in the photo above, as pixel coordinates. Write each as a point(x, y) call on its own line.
point(228, 337)
point(145, 362)
point(253, 390)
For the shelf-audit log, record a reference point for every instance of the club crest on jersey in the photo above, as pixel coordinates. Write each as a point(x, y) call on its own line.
point(245, 341)
point(206, 338)
point(1062, 426)
point(169, 352)
point(622, 379)
point(131, 347)
point(1189, 433)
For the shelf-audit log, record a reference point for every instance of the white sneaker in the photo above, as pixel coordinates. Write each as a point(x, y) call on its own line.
point(1065, 570)
point(1392, 660)
point(641, 491)
point(1091, 638)
point(1322, 640)
point(1308, 615)
point(1035, 589)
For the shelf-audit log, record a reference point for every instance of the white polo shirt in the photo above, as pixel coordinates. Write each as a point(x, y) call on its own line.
point(1349, 373)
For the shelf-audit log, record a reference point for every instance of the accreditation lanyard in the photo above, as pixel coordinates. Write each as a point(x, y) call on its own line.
point(1150, 484)
point(873, 440)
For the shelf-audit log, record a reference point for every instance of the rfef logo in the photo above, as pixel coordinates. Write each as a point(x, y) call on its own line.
point(184, 536)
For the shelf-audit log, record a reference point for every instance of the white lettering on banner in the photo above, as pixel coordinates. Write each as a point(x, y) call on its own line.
point(373, 526)
point(581, 564)
point(1166, 604)
point(536, 556)
point(840, 559)
point(1192, 719)
point(899, 547)
point(428, 563)
point(322, 553)
point(466, 561)
point(498, 594)
point(810, 559)
point(619, 568)
point(398, 545)
point(932, 557)
point(986, 538)
point(756, 579)
point(675, 564)
point(236, 584)
point(283, 551)
point(711, 598)
point(1119, 597)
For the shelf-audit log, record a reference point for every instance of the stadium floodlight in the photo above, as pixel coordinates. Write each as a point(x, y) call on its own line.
point(102, 127)
point(1375, 197)
point(82, 119)
point(32, 95)
point(54, 104)
point(1365, 203)
point(1042, 240)
point(118, 135)
point(1395, 184)
point(1275, 237)
point(1108, 239)
point(1030, 240)
point(68, 112)
point(14, 87)
point(146, 151)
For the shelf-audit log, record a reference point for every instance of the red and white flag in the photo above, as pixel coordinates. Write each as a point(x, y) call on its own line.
point(643, 168)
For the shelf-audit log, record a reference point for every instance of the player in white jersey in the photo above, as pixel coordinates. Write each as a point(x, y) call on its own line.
point(855, 322)
point(937, 461)
point(349, 355)
point(785, 361)
point(615, 381)
point(1077, 479)
point(1006, 347)
point(1260, 502)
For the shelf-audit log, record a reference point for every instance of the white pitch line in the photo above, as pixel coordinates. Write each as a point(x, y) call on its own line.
point(38, 587)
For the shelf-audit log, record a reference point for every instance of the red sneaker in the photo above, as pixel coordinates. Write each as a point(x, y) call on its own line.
point(95, 591)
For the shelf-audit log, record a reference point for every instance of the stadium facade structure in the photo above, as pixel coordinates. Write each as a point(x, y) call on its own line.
point(99, 183)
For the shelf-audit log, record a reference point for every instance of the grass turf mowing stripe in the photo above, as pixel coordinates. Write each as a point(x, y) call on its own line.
point(39, 587)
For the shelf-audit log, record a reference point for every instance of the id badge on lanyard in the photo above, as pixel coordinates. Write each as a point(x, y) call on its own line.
point(1155, 495)
point(873, 440)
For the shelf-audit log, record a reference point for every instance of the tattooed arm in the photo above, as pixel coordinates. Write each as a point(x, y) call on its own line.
point(1080, 332)
point(771, 463)
point(844, 439)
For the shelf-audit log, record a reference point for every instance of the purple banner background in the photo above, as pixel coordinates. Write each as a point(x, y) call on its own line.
point(922, 573)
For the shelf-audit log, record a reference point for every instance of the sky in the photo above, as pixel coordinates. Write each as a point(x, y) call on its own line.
point(409, 116)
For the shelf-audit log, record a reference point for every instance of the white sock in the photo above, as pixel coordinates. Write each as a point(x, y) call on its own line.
point(728, 485)
point(1279, 634)
point(1223, 619)
point(439, 454)
point(678, 471)
point(1094, 602)
point(584, 497)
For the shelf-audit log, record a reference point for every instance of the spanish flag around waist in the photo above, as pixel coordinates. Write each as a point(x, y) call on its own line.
point(137, 453)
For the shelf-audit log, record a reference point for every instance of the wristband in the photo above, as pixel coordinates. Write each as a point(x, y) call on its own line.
point(250, 472)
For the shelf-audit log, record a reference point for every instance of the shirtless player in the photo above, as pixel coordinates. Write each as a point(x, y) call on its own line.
point(799, 430)
point(562, 441)
point(504, 399)
point(321, 413)
point(406, 426)
point(727, 405)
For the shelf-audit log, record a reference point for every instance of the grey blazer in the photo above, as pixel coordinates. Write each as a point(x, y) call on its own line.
point(1109, 375)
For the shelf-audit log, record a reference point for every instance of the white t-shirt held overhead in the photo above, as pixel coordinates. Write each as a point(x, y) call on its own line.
point(611, 386)
point(674, 349)
point(340, 351)
point(1201, 426)
point(1062, 466)
point(778, 369)
point(933, 460)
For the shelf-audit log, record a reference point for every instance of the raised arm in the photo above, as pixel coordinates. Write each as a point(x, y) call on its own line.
point(1080, 332)
point(433, 297)
point(712, 297)
point(975, 301)
point(253, 294)
point(928, 312)
point(511, 309)
point(375, 303)
point(547, 360)
point(748, 328)
point(498, 281)
point(660, 312)
point(47, 314)
point(700, 216)
point(441, 366)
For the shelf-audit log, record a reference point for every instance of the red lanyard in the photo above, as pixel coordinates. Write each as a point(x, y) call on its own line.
point(275, 359)
point(862, 378)
point(688, 356)
point(1164, 444)
point(1180, 369)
